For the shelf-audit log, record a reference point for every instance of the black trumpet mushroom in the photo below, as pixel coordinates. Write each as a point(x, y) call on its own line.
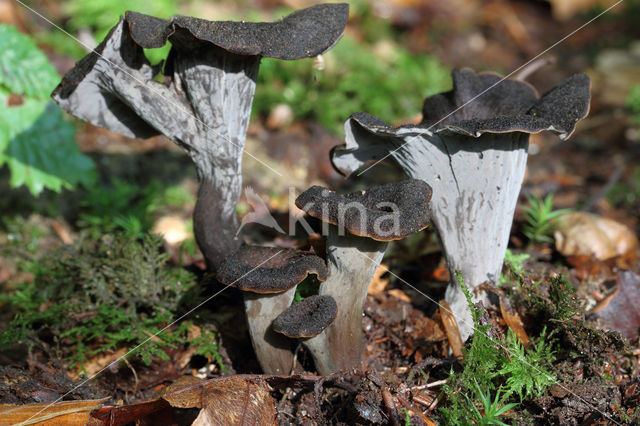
point(268, 277)
point(306, 321)
point(472, 148)
point(205, 106)
point(358, 227)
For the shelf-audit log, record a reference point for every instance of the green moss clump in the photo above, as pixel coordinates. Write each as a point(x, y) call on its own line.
point(97, 297)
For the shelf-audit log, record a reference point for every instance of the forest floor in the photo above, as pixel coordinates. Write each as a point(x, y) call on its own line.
point(582, 308)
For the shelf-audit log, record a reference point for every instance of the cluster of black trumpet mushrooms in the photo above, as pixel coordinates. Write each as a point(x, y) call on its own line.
point(471, 148)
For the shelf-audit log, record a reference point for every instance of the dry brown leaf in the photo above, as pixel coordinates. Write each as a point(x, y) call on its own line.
point(580, 233)
point(514, 321)
point(621, 311)
point(95, 364)
point(378, 284)
point(565, 9)
point(59, 413)
point(152, 412)
point(232, 400)
point(173, 229)
point(399, 294)
point(451, 327)
point(280, 116)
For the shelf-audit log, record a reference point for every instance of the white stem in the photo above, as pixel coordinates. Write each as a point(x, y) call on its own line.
point(273, 350)
point(319, 348)
point(352, 262)
point(476, 182)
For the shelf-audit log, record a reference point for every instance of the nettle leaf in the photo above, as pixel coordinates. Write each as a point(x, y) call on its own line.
point(24, 69)
point(40, 148)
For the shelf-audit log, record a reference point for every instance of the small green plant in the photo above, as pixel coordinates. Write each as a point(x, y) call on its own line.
point(492, 410)
point(527, 372)
point(128, 208)
point(561, 303)
point(633, 103)
point(95, 298)
point(36, 143)
point(407, 418)
point(627, 193)
point(515, 265)
point(540, 219)
point(495, 364)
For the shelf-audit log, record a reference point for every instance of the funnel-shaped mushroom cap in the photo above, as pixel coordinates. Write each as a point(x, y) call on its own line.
point(87, 92)
point(307, 318)
point(269, 269)
point(304, 33)
point(480, 103)
point(383, 213)
point(488, 105)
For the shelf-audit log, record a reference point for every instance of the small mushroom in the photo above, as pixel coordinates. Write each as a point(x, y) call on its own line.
point(206, 106)
point(371, 219)
point(306, 320)
point(268, 277)
point(472, 147)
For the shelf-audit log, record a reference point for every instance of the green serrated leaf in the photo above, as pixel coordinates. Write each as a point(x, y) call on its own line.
point(40, 149)
point(24, 69)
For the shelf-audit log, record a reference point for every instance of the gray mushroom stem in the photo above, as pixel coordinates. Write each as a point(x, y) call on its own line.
point(272, 349)
point(318, 346)
point(352, 262)
point(478, 195)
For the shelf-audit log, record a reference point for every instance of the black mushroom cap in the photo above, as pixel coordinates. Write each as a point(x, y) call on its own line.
point(269, 269)
point(481, 103)
point(307, 318)
point(304, 33)
point(368, 213)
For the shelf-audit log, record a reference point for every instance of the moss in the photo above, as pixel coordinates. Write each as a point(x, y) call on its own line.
point(102, 296)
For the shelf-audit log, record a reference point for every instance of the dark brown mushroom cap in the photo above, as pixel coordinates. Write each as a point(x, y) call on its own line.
point(304, 33)
point(487, 105)
point(367, 213)
point(307, 318)
point(269, 269)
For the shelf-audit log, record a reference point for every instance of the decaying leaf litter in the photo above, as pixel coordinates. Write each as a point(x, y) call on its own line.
point(407, 354)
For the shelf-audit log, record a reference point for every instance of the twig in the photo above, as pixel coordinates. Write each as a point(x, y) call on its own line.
point(425, 386)
point(534, 66)
point(613, 179)
point(391, 407)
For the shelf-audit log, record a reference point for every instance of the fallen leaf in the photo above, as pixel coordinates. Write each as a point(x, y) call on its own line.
point(378, 284)
point(451, 327)
point(280, 116)
point(97, 363)
point(514, 321)
point(580, 233)
point(621, 312)
point(566, 9)
point(59, 413)
point(173, 229)
point(399, 294)
point(231, 400)
point(140, 413)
